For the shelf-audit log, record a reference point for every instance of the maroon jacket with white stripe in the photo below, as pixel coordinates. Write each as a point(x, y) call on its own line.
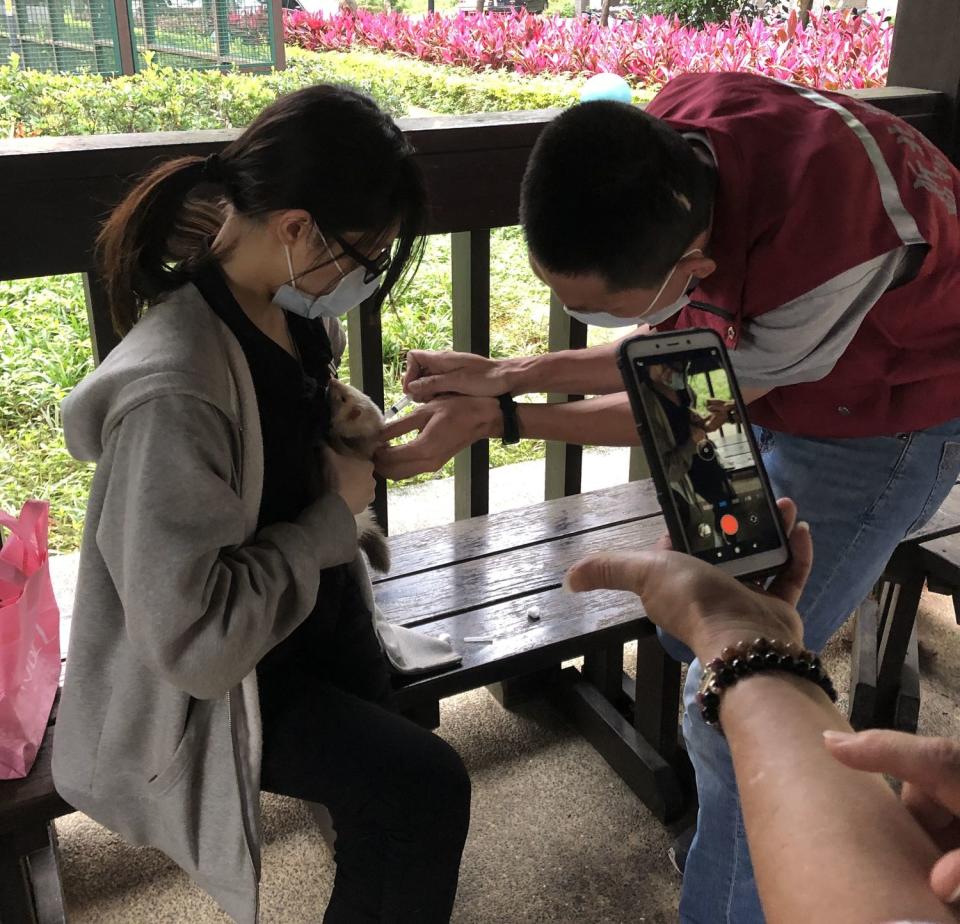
point(811, 185)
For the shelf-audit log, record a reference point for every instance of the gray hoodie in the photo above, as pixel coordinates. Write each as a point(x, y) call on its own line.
point(179, 597)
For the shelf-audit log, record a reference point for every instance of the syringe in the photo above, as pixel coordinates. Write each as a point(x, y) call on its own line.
point(395, 409)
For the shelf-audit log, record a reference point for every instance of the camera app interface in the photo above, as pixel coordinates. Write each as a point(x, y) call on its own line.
point(706, 456)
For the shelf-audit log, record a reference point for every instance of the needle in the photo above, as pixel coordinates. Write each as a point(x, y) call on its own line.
point(395, 409)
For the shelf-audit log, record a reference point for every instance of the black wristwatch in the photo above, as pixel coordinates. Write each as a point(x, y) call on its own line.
point(511, 424)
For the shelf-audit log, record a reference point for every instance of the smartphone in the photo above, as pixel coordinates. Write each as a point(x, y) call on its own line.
point(703, 457)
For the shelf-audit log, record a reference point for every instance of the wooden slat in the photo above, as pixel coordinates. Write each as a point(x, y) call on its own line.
point(940, 559)
point(564, 461)
point(514, 575)
point(470, 278)
point(863, 668)
point(103, 337)
point(125, 44)
point(31, 801)
point(365, 335)
point(944, 522)
point(60, 188)
point(569, 626)
point(15, 898)
point(276, 35)
point(416, 552)
point(645, 771)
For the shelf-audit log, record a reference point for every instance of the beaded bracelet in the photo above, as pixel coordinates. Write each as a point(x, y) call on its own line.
point(760, 656)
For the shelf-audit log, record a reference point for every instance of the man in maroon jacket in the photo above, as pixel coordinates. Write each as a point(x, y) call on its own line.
point(820, 238)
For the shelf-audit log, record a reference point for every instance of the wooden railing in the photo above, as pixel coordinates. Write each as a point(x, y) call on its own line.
point(56, 191)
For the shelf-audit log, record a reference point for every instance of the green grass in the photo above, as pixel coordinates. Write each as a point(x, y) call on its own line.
point(45, 351)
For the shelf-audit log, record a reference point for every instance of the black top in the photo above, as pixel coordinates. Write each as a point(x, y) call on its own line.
point(678, 415)
point(290, 399)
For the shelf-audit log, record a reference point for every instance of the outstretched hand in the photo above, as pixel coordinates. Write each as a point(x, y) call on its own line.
point(930, 770)
point(430, 373)
point(698, 603)
point(445, 426)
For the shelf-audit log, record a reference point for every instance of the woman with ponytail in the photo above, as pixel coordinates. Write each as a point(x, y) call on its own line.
point(222, 641)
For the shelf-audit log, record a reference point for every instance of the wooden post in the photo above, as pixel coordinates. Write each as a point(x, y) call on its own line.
point(926, 55)
point(103, 337)
point(564, 465)
point(125, 43)
point(366, 373)
point(804, 9)
point(276, 37)
point(221, 30)
point(470, 272)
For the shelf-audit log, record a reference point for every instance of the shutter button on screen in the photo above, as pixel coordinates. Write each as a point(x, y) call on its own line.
point(729, 524)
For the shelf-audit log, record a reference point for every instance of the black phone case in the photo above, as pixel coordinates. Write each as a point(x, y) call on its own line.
point(662, 486)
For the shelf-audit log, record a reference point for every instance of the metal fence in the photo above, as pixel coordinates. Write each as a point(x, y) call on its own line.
point(121, 36)
point(203, 33)
point(61, 35)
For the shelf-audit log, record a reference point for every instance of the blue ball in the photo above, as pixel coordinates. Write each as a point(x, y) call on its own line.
point(606, 86)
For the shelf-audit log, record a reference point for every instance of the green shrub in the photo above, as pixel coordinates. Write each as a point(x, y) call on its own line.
point(164, 99)
point(158, 98)
point(447, 90)
point(698, 12)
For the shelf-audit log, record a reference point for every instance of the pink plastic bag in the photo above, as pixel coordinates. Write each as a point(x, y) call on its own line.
point(29, 639)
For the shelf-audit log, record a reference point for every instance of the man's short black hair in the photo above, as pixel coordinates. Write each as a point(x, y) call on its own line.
point(613, 191)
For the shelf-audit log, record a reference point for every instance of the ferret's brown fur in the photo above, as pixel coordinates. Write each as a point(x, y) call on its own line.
point(355, 427)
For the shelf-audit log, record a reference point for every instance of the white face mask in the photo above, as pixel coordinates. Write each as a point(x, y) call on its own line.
point(348, 293)
point(677, 382)
point(604, 319)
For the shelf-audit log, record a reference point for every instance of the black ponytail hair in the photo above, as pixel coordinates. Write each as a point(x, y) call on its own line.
point(326, 149)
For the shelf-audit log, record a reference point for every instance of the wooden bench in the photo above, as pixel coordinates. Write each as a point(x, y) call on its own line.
point(30, 889)
point(885, 670)
point(479, 578)
point(474, 578)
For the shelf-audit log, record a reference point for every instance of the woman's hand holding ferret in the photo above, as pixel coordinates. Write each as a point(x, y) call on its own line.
point(354, 480)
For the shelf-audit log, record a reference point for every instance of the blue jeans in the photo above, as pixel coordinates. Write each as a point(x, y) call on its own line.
point(860, 497)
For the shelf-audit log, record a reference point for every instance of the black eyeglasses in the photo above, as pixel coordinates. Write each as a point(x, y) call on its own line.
point(375, 268)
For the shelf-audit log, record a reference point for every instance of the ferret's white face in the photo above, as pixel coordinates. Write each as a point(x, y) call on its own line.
point(352, 413)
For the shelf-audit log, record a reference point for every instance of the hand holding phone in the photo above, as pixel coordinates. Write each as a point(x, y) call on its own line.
point(703, 458)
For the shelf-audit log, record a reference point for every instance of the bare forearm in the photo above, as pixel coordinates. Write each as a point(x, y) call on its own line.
point(828, 843)
point(605, 421)
point(591, 371)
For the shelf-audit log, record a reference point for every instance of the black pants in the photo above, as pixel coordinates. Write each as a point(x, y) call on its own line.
point(398, 795)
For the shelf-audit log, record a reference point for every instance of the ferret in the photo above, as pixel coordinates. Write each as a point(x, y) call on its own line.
point(356, 424)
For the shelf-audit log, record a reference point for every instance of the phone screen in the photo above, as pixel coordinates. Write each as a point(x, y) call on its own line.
point(707, 455)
